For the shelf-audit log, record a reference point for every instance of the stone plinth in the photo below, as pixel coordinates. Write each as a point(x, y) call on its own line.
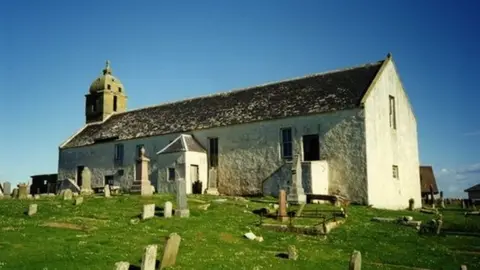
point(212, 182)
point(296, 194)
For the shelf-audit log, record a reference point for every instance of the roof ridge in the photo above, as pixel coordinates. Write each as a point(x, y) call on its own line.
point(253, 87)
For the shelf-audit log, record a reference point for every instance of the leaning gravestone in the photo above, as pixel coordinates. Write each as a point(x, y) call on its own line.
point(171, 250)
point(148, 211)
point(167, 210)
point(149, 258)
point(32, 209)
point(356, 261)
point(15, 193)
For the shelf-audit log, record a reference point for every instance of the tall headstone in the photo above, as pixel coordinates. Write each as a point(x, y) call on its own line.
point(106, 191)
point(86, 187)
point(355, 261)
point(142, 184)
point(149, 259)
point(282, 206)
point(7, 188)
point(171, 250)
point(212, 182)
point(296, 193)
point(22, 191)
point(181, 191)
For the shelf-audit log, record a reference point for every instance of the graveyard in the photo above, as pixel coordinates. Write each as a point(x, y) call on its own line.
point(97, 232)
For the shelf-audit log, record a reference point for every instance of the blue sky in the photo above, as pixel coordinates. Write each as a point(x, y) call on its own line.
point(170, 50)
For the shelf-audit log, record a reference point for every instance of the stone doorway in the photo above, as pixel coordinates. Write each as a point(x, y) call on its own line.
point(79, 175)
point(311, 147)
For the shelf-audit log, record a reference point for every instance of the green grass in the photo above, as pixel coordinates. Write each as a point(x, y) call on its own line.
point(101, 234)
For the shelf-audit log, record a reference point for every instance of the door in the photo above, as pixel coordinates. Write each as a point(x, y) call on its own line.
point(311, 147)
point(196, 189)
point(79, 175)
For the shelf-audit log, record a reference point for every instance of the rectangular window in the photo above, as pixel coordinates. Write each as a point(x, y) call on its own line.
point(120, 89)
point(286, 137)
point(137, 151)
point(393, 120)
point(114, 103)
point(395, 172)
point(119, 152)
point(213, 152)
point(109, 87)
point(171, 174)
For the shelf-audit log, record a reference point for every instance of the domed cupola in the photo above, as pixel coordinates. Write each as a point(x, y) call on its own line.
point(106, 96)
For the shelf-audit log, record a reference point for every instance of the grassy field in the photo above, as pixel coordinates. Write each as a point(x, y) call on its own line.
point(99, 233)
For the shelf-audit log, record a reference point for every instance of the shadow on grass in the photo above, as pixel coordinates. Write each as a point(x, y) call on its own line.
point(282, 255)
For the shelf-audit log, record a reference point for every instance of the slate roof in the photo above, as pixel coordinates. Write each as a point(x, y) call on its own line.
point(474, 188)
point(427, 178)
point(183, 143)
point(313, 94)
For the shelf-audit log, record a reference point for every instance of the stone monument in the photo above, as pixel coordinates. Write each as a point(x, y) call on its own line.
point(212, 182)
point(22, 191)
point(181, 191)
point(296, 194)
point(86, 187)
point(142, 185)
point(7, 188)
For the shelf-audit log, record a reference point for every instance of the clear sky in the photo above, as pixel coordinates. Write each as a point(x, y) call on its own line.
point(169, 50)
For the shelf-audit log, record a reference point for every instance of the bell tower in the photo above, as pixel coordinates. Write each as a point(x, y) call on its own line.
point(105, 97)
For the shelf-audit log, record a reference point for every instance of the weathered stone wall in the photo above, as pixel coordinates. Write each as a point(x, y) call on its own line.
point(387, 147)
point(248, 153)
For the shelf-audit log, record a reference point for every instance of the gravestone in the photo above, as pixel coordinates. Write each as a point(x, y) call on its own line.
point(411, 204)
point(167, 210)
point(67, 194)
point(142, 184)
point(36, 197)
point(212, 182)
point(7, 188)
point(32, 209)
point(181, 192)
point(463, 204)
point(292, 252)
point(86, 181)
point(282, 206)
point(15, 193)
point(463, 267)
point(106, 191)
point(78, 200)
point(149, 258)
point(122, 266)
point(22, 191)
point(170, 251)
point(296, 194)
point(356, 261)
point(148, 211)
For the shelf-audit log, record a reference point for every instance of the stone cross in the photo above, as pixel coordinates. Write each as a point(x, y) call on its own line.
point(282, 206)
point(171, 250)
point(356, 261)
point(167, 210)
point(149, 259)
point(296, 193)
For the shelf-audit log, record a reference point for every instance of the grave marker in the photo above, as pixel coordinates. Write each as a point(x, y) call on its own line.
point(355, 261)
point(149, 258)
point(167, 210)
point(122, 266)
point(32, 209)
point(148, 211)
point(170, 251)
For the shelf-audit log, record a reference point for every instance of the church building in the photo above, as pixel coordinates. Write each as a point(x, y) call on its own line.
point(353, 129)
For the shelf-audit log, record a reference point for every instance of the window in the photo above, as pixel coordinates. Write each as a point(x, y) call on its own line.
point(395, 172)
point(213, 152)
point(171, 174)
point(137, 152)
point(286, 137)
point(109, 86)
point(114, 103)
point(120, 89)
point(393, 120)
point(44, 182)
point(119, 152)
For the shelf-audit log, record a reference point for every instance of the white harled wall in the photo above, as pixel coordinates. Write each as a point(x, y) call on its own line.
point(387, 147)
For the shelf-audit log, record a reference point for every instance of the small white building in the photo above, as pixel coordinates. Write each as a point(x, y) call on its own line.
point(353, 128)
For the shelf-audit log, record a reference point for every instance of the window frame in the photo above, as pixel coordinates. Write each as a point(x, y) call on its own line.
point(213, 152)
point(171, 170)
point(284, 142)
point(392, 112)
point(395, 172)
